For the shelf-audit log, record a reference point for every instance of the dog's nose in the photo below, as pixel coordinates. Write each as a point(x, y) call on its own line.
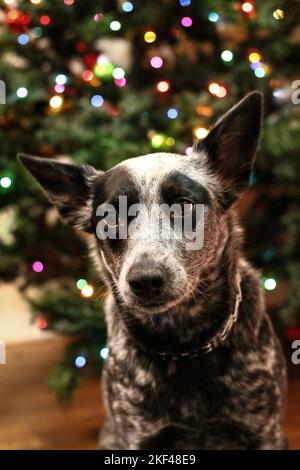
point(147, 284)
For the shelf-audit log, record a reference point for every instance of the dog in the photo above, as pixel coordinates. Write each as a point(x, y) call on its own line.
point(193, 360)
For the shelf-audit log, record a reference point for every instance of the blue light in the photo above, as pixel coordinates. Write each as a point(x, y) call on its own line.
point(23, 39)
point(255, 65)
point(259, 72)
point(185, 3)
point(127, 7)
point(104, 353)
point(213, 17)
point(80, 362)
point(97, 101)
point(61, 79)
point(172, 113)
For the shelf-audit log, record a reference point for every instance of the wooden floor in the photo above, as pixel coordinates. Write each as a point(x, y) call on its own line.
point(32, 418)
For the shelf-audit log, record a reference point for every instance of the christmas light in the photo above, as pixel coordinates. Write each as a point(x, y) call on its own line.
point(172, 113)
point(37, 32)
point(115, 25)
point(278, 14)
point(118, 73)
point(156, 62)
point(227, 56)
point(103, 69)
point(222, 92)
point(247, 7)
point(204, 110)
point(23, 39)
point(213, 17)
point(61, 79)
point(9, 2)
point(37, 266)
point(213, 88)
point(98, 17)
point(56, 102)
point(186, 21)
point(127, 7)
point(217, 90)
point(259, 72)
point(87, 75)
point(269, 283)
point(104, 353)
point(150, 36)
point(69, 2)
point(12, 15)
point(5, 182)
point(163, 86)
point(22, 92)
point(200, 132)
point(97, 101)
point(80, 362)
point(157, 140)
point(45, 20)
point(42, 323)
point(35, 2)
point(59, 88)
point(184, 3)
point(170, 141)
point(189, 150)
point(120, 82)
point(81, 283)
point(87, 291)
point(254, 57)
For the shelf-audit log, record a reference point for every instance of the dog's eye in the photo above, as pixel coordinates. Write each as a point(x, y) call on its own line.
point(112, 219)
point(183, 207)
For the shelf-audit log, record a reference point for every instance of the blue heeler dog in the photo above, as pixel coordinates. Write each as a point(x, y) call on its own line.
point(193, 359)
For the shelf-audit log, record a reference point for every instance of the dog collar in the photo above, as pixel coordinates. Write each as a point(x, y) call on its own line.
point(216, 340)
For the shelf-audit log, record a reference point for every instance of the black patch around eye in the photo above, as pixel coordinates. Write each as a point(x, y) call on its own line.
point(114, 183)
point(179, 186)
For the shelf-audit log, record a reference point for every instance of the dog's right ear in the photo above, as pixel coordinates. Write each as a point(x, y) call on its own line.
point(68, 186)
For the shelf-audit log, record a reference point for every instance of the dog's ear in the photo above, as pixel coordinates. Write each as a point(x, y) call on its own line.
point(68, 186)
point(231, 145)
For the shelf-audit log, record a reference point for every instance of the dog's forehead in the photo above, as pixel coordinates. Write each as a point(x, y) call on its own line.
point(148, 171)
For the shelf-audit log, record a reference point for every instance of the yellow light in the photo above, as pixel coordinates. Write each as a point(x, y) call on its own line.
point(56, 102)
point(150, 36)
point(87, 291)
point(254, 57)
point(157, 140)
point(9, 2)
point(12, 15)
point(35, 2)
point(278, 14)
point(170, 141)
point(214, 88)
point(201, 132)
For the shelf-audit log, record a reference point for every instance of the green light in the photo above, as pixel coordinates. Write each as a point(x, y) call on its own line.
point(5, 182)
point(81, 283)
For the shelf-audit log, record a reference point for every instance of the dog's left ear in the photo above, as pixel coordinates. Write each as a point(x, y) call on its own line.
point(232, 143)
point(68, 186)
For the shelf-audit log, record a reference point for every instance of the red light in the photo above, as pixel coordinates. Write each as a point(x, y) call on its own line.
point(163, 86)
point(42, 323)
point(45, 19)
point(87, 75)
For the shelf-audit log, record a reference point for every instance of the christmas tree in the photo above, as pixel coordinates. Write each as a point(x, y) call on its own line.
point(101, 81)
